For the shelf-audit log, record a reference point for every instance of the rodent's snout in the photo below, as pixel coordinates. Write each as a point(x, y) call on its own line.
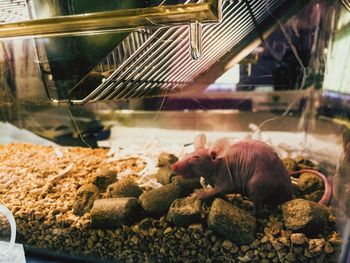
point(173, 167)
point(178, 168)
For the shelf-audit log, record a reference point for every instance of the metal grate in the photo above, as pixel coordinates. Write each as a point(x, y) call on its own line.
point(157, 60)
point(346, 3)
point(14, 10)
point(149, 63)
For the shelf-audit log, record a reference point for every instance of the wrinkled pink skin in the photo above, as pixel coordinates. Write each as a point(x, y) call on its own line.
point(248, 167)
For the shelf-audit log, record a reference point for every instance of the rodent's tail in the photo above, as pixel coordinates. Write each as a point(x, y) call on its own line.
point(327, 184)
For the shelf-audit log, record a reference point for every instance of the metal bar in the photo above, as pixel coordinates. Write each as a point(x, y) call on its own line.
point(118, 20)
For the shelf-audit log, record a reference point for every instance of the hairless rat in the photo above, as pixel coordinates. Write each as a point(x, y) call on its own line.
point(249, 167)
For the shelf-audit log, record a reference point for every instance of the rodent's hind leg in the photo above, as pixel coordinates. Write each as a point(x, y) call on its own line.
point(257, 195)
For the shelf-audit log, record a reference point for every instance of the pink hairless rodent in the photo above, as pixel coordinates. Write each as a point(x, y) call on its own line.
point(249, 167)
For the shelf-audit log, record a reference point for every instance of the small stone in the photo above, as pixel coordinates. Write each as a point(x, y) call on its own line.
point(281, 254)
point(186, 238)
point(277, 245)
point(227, 244)
point(265, 239)
point(38, 216)
point(55, 231)
point(152, 231)
point(270, 255)
point(255, 244)
point(135, 229)
point(284, 241)
point(335, 239)
point(100, 233)
point(245, 258)
point(298, 238)
point(178, 235)
point(162, 221)
point(291, 257)
point(134, 240)
point(276, 227)
point(262, 255)
point(126, 229)
point(168, 231)
point(234, 249)
point(286, 233)
point(328, 248)
point(275, 260)
point(245, 248)
point(316, 245)
point(90, 243)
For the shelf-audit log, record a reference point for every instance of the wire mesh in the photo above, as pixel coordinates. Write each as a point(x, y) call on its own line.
point(152, 62)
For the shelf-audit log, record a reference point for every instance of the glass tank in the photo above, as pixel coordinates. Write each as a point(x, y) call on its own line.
point(174, 131)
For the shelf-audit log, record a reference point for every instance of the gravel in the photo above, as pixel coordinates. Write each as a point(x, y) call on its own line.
point(43, 209)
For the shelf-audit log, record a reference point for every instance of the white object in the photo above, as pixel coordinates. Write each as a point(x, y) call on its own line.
point(10, 252)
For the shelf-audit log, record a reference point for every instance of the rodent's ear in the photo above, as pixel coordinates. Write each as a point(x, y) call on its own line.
point(213, 155)
point(199, 141)
point(219, 149)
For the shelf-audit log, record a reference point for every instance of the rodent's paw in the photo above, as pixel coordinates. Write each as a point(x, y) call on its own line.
point(200, 194)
